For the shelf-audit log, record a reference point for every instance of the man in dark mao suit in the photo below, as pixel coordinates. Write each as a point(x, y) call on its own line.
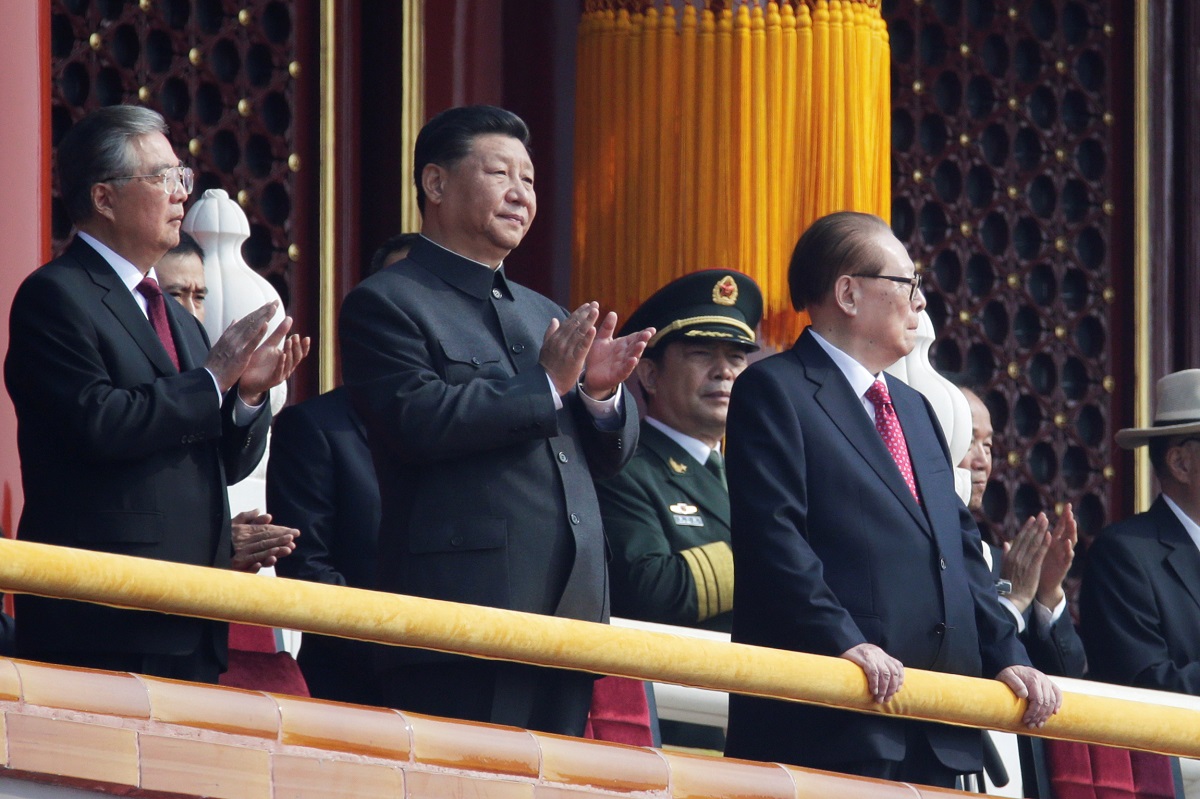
point(836, 550)
point(126, 446)
point(485, 426)
point(666, 514)
point(1139, 606)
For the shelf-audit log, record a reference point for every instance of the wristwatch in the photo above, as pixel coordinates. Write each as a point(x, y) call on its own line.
point(1004, 587)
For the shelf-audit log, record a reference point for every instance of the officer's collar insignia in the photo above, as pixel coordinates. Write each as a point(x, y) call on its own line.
point(677, 467)
point(725, 292)
point(683, 509)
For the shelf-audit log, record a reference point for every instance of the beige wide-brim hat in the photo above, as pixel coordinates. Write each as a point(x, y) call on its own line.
point(1177, 410)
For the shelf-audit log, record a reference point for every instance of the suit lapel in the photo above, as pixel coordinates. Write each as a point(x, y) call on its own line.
point(120, 302)
point(846, 413)
point(697, 483)
point(1183, 557)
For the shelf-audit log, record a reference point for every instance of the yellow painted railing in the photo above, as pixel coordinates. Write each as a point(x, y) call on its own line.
point(507, 635)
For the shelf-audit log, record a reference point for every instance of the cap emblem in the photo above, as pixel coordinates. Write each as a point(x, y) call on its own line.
point(725, 292)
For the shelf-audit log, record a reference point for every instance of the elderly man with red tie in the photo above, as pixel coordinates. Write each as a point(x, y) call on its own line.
point(848, 537)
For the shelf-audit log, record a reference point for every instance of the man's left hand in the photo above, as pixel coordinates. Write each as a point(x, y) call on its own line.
point(271, 364)
point(1059, 556)
point(1043, 697)
point(611, 361)
point(258, 543)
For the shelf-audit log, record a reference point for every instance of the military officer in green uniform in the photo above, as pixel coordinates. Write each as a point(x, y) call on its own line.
point(666, 514)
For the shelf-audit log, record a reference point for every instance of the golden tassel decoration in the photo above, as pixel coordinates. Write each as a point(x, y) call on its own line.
point(712, 133)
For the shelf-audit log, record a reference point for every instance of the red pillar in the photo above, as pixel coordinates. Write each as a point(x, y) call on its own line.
point(24, 195)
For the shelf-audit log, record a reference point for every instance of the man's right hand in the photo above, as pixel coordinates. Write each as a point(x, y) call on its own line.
point(884, 673)
point(231, 354)
point(566, 345)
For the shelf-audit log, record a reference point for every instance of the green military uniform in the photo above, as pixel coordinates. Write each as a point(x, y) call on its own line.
point(666, 515)
point(667, 521)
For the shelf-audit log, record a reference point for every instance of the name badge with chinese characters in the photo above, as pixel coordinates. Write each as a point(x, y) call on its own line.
point(686, 515)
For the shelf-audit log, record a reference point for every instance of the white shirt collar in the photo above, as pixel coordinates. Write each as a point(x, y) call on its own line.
point(694, 447)
point(856, 374)
point(129, 274)
point(1189, 524)
point(460, 255)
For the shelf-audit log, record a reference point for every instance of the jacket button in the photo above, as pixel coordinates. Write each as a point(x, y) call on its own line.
point(518, 348)
point(498, 294)
point(476, 360)
point(456, 541)
point(574, 518)
point(562, 457)
point(942, 564)
point(940, 628)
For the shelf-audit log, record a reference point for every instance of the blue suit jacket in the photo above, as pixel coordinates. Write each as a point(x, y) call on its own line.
point(831, 551)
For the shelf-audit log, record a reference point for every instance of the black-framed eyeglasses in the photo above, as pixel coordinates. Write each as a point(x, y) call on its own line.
point(914, 282)
point(172, 179)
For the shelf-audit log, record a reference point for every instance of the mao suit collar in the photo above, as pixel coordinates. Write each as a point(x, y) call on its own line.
point(470, 277)
point(846, 412)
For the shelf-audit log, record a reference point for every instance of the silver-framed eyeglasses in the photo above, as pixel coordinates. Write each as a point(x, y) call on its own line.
point(172, 179)
point(914, 282)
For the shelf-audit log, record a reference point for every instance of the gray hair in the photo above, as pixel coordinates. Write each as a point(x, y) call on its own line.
point(97, 148)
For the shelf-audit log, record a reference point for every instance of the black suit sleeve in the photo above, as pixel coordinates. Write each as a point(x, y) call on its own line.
point(1057, 650)
point(607, 449)
point(999, 645)
point(301, 493)
point(1121, 622)
point(416, 413)
point(242, 447)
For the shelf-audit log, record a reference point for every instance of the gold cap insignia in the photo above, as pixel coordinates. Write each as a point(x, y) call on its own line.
point(725, 292)
point(683, 509)
point(677, 467)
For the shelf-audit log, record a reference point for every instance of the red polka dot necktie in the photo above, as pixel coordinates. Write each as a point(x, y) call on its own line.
point(157, 311)
point(893, 437)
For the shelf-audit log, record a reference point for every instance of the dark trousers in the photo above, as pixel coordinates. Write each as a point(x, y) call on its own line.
point(199, 666)
point(339, 670)
point(546, 700)
point(920, 765)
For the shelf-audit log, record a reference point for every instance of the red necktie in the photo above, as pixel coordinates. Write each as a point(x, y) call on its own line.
point(893, 437)
point(157, 311)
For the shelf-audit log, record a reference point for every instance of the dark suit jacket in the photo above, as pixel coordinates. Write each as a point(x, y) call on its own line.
point(1057, 650)
point(321, 481)
point(1139, 606)
point(487, 490)
point(662, 505)
point(120, 452)
point(831, 551)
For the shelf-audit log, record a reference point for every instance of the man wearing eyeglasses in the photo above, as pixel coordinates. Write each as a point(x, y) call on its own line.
point(129, 425)
point(1139, 606)
point(848, 537)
